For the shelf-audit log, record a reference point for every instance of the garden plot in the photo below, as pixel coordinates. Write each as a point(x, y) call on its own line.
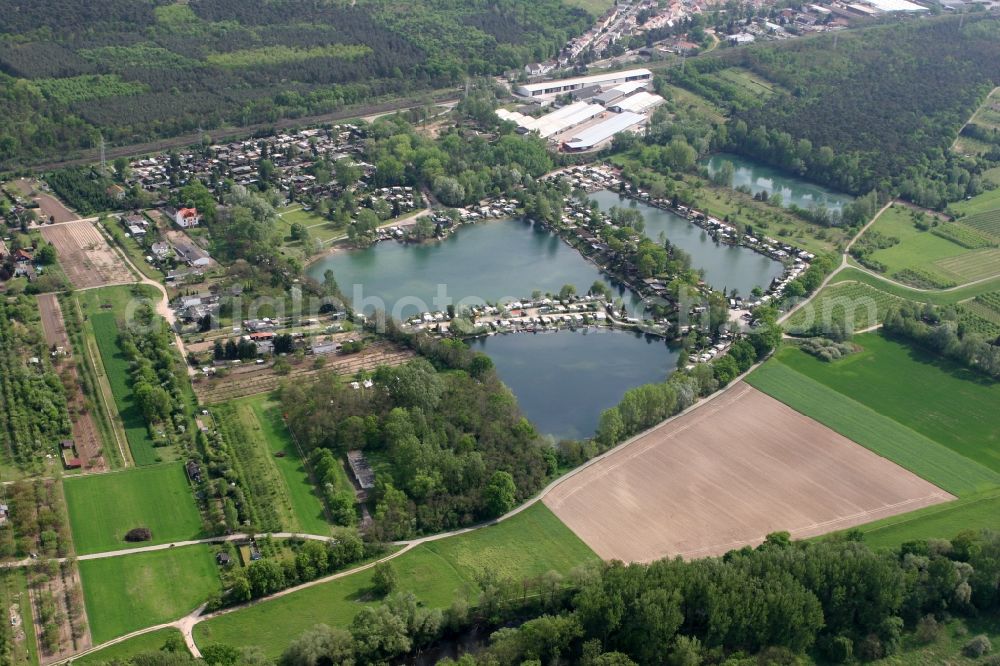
point(85, 255)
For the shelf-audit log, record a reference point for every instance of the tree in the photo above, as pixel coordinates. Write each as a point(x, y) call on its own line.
point(384, 579)
point(500, 495)
point(319, 646)
point(566, 292)
point(379, 634)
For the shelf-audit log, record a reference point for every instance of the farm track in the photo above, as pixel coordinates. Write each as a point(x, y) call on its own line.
point(243, 384)
point(85, 434)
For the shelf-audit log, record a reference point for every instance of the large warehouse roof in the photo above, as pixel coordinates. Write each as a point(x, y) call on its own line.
point(555, 122)
point(565, 85)
point(639, 102)
point(593, 136)
point(619, 91)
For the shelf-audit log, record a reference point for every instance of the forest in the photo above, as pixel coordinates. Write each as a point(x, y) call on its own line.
point(135, 71)
point(449, 445)
point(842, 117)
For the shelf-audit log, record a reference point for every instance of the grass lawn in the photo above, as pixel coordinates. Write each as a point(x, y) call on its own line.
point(981, 203)
point(935, 397)
point(856, 421)
point(947, 648)
point(130, 592)
point(531, 543)
point(103, 507)
point(319, 227)
point(151, 642)
point(941, 521)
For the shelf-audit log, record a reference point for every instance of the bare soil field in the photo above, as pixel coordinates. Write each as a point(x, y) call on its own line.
point(85, 255)
point(85, 434)
point(49, 207)
point(725, 475)
point(254, 379)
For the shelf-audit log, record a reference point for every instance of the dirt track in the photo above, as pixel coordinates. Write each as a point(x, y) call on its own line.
point(725, 476)
point(85, 255)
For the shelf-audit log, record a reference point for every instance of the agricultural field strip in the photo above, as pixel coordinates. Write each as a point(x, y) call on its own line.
point(853, 298)
point(86, 257)
point(921, 455)
point(725, 476)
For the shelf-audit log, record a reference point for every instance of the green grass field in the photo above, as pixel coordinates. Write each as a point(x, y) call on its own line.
point(103, 507)
point(856, 421)
point(933, 396)
point(981, 203)
point(151, 642)
point(318, 227)
point(280, 486)
point(941, 521)
point(130, 592)
point(862, 306)
point(116, 366)
point(916, 249)
point(594, 7)
point(529, 544)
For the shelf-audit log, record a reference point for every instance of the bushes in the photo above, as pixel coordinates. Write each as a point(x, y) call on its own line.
point(977, 647)
point(826, 349)
point(138, 534)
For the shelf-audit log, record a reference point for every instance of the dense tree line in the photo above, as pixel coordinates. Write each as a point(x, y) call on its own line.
point(833, 601)
point(878, 112)
point(940, 331)
point(443, 436)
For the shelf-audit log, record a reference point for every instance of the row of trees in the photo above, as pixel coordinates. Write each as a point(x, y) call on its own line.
point(939, 332)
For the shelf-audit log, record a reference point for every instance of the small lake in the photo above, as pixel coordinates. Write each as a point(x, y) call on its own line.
point(726, 266)
point(482, 262)
point(563, 381)
point(793, 190)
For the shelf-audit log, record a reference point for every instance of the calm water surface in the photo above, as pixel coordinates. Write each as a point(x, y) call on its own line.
point(563, 381)
point(483, 262)
point(793, 190)
point(726, 266)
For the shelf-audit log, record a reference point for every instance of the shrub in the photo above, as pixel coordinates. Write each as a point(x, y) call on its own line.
point(928, 629)
point(977, 647)
point(138, 534)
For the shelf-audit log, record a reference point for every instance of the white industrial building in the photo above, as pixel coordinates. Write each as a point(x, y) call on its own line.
point(567, 85)
point(601, 132)
point(558, 121)
point(641, 102)
point(618, 92)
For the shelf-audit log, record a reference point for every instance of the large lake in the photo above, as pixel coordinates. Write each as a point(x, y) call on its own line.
point(483, 262)
point(793, 190)
point(563, 381)
point(726, 266)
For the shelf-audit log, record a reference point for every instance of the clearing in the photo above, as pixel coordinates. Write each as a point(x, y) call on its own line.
point(727, 474)
point(50, 208)
point(935, 397)
point(103, 507)
point(529, 544)
point(85, 255)
point(135, 591)
point(986, 117)
point(88, 443)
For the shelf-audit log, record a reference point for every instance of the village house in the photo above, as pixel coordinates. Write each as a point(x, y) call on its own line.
point(191, 254)
point(160, 249)
point(185, 218)
point(116, 192)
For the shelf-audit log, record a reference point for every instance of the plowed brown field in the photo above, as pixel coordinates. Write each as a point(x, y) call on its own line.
point(727, 474)
point(85, 255)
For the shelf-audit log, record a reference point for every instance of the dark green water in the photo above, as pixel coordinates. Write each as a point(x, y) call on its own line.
point(484, 262)
point(793, 190)
point(563, 381)
point(726, 266)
